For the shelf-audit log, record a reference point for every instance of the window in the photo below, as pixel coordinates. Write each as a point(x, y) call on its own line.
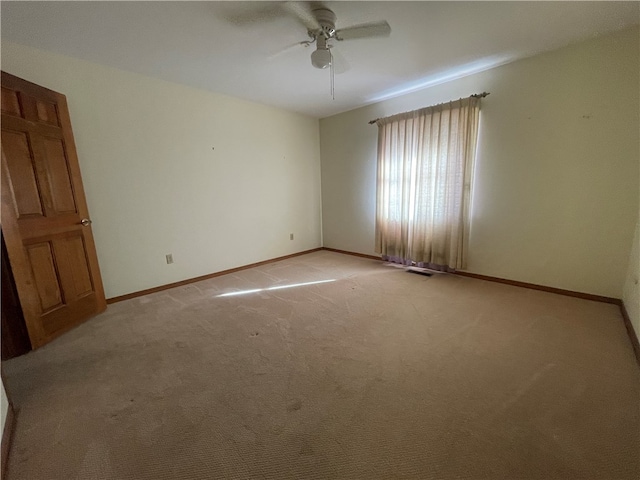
point(425, 167)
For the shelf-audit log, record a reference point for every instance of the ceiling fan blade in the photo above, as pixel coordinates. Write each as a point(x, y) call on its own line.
point(365, 30)
point(304, 13)
point(340, 64)
point(288, 49)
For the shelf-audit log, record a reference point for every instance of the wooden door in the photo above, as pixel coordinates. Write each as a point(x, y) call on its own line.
point(45, 220)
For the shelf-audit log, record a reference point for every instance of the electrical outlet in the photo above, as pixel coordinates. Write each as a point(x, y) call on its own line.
point(291, 236)
point(169, 258)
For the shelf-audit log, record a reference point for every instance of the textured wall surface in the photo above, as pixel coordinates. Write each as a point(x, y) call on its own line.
point(216, 181)
point(555, 196)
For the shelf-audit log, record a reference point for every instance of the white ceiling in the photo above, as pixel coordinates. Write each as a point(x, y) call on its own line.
point(208, 45)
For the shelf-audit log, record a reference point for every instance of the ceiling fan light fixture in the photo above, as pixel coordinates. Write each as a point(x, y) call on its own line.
point(321, 58)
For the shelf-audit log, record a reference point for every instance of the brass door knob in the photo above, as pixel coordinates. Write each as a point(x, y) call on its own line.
point(85, 222)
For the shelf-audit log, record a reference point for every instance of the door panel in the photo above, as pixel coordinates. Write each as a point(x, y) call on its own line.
point(10, 102)
point(75, 250)
point(52, 254)
point(45, 275)
point(59, 178)
point(47, 113)
point(21, 170)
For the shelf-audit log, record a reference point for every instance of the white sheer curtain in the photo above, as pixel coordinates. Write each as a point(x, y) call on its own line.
point(425, 168)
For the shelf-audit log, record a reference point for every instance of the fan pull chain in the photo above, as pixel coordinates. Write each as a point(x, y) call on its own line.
point(333, 87)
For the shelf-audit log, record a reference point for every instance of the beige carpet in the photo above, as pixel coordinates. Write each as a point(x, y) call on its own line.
point(380, 374)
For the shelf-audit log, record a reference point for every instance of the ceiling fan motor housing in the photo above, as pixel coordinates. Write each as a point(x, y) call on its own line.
point(327, 20)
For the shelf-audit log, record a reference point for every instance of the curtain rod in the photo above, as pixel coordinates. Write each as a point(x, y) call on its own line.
point(475, 95)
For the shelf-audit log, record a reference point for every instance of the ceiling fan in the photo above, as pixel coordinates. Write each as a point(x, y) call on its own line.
point(320, 22)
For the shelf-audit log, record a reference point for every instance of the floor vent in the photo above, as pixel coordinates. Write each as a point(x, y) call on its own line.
point(420, 271)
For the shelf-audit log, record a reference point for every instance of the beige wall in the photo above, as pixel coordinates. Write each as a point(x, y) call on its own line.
point(556, 184)
point(155, 185)
point(555, 194)
point(631, 294)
